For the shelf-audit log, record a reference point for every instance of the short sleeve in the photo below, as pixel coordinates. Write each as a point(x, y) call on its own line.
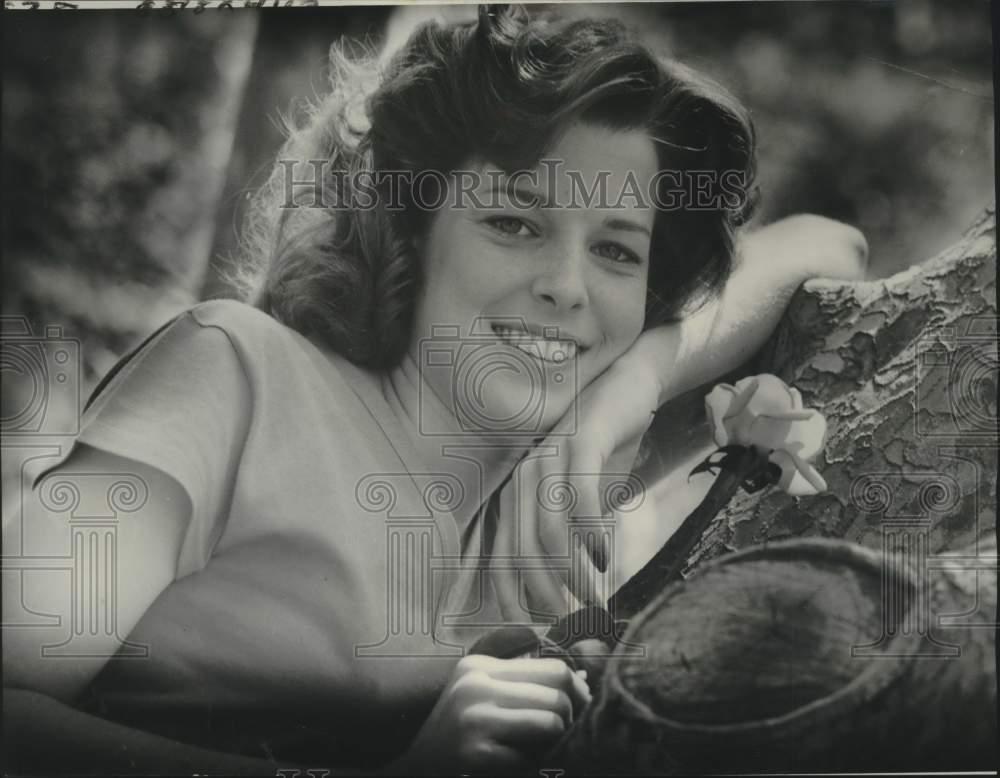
point(180, 404)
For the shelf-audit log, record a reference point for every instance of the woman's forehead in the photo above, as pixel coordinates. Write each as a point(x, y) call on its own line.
point(587, 167)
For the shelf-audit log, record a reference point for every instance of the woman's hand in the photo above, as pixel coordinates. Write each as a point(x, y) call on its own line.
point(598, 438)
point(495, 715)
point(558, 505)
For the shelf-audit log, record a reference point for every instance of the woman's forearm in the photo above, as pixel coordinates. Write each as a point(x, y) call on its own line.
point(772, 264)
point(711, 342)
point(43, 735)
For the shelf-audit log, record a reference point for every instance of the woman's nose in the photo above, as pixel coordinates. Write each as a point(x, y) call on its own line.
point(560, 282)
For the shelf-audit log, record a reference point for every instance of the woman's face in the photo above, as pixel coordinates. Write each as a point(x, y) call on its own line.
point(524, 303)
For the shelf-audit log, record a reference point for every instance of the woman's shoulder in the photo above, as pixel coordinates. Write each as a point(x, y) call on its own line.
point(255, 335)
point(213, 343)
point(237, 318)
point(266, 344)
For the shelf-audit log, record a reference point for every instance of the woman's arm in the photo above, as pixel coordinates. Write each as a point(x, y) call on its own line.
point(602, 432)
point(772, 263)
point(42, 731)
point(147, 544)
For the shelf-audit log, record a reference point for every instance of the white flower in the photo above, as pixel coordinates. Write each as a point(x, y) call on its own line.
point(762, 411)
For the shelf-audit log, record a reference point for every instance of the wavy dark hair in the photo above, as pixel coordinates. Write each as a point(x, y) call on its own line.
point(501, 90)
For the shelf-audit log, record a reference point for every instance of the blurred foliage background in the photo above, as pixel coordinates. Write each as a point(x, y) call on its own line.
point(131, 140)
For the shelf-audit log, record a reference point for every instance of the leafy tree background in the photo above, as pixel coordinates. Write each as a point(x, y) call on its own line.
point(131, 139)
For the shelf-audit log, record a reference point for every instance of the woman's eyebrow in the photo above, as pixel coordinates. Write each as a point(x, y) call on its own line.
point(520, 194)
point(616, 223)
point(527, 197)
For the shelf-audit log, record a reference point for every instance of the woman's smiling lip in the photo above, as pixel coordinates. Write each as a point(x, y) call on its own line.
point(549, 344)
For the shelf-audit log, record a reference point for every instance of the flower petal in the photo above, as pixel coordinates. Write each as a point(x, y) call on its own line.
point(798, 477)
point(804, 414)
point(744, 396)
point(807, 437)
point(796, 398)
point(772, 395)
point(717, 404)
point(764, 412)
point(768, 433)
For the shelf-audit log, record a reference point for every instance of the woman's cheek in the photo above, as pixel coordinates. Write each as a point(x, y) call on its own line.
point(621, 323)
point(627, 316)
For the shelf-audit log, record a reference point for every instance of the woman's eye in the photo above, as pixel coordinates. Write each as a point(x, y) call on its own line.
point(510, 225)
point(617, 253)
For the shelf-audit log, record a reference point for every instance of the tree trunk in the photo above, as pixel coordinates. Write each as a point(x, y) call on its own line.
point(804, 655)
point(905, 371)
point(854, 629)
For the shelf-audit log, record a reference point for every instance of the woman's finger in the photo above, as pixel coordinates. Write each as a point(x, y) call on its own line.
point(544, 586)
point(528, 728)
point(487, 756)
point(555, 499)
point(521, 695)
point(549, 672)
point(503, 560)
point(560, 538)
point(584, 581)
point(584, 470)
point(585, 527)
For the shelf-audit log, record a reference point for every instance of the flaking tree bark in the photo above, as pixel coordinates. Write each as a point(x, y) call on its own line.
point(905, 371)
point(854, 629)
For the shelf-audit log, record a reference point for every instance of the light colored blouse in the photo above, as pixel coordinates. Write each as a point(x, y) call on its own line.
point(317, 607)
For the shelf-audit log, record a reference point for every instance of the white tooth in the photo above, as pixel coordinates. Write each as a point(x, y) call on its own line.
point(549, 350)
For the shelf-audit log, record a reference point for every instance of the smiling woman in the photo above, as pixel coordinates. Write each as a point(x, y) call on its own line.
point(364, 471)
point(525, 80)
point(568, 282)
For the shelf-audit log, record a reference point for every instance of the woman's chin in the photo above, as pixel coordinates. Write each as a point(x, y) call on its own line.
point(518, 408)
